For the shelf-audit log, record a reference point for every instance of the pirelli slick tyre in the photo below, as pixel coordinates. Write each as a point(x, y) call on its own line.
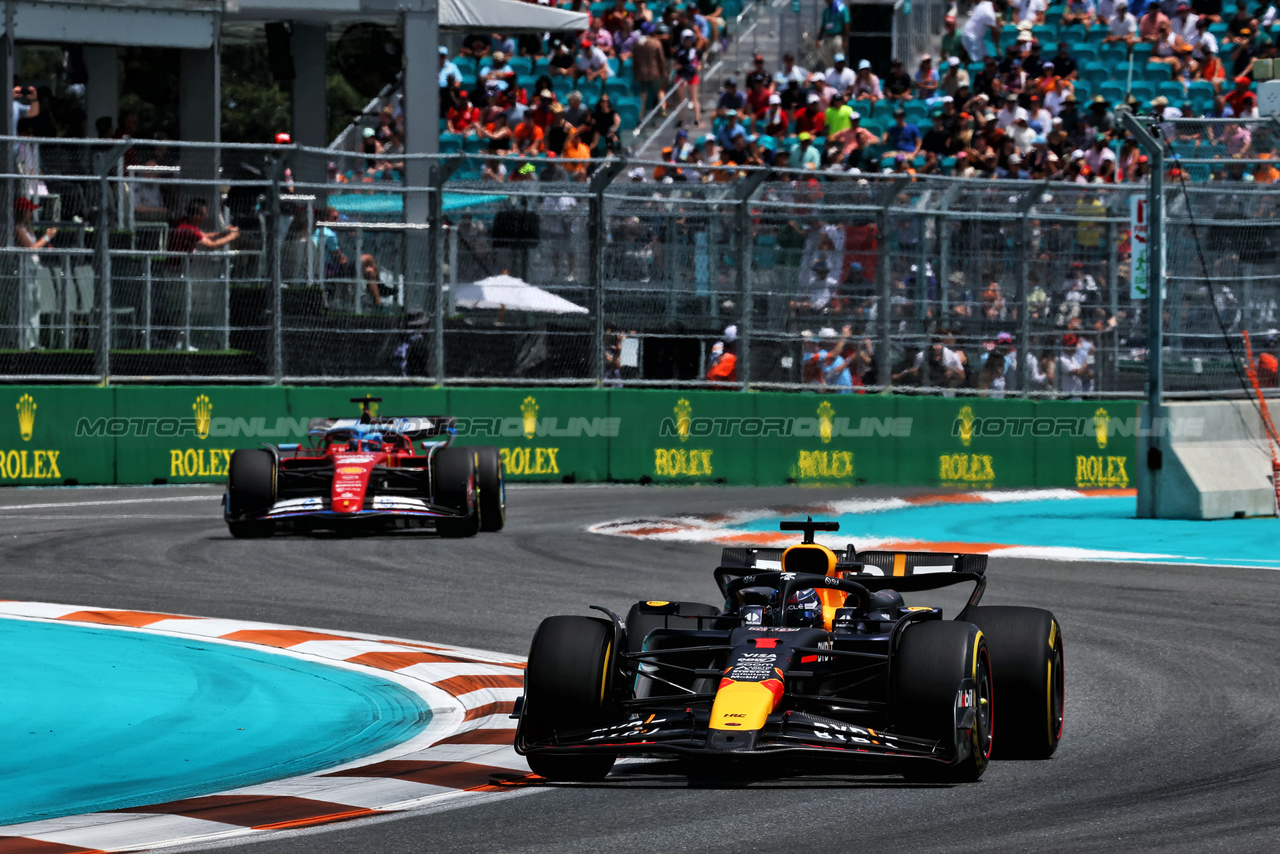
point(454, 476)
point(493, 491)
point(1027, 664)
point(566, 687)
point(251, 491)
point(942, 689)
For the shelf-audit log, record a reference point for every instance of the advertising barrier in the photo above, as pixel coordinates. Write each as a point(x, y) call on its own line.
point(186, 434)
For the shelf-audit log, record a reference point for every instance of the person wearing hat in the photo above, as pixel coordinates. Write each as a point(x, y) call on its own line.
point(464, 118)
point(759, 75)
point(857, 140)
point(1041, 162)
point(867, 85)
point(954, 79)
point(1021, 134)
point(527, 136)
point(1099, 116)
point(1038, 118)
point(1098, 153)
point(840, 76)
point(938, 140)
point(925, 83)
point(804, 154)
point(837, 120)
point(983, 20)
point(731, 99)
point(729, 129)
point(497, 69)
point(688, 64)
point(649, 68)
point(1183, 21)
point(897, 83)
point(593, 63)
point(833, 31)
point(951, 43)
point(1235, 98)
point(448, 68)
point(1010, 112)
point(902, 136)
point(775, 120)
point(562, 63)
point(1122, 28)
point(557, 132)
point(813, 118)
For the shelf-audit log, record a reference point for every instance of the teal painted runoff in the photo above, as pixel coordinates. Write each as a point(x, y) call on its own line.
point(99, 719)
point(1104, 524)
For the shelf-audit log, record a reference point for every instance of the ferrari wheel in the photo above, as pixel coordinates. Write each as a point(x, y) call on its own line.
point(566, 690)
point(942, 688)
point(493, 494)
point(455, 488)
point(251, 490)
point(1026, 655)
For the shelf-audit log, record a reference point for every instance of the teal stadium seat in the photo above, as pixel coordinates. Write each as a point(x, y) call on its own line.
point(1143, 90)
point(1043, 32)
point(1113, 55)
point(1157, 72)
point(1172, 90)
point(450, 143)
point(617, 88)
point(474, 145)
point(1073, 35)
point(1094, 72)
point(521, 65)
point(1112, 91)
point(630, 113)
point(1141, 53)
point(1083, 53)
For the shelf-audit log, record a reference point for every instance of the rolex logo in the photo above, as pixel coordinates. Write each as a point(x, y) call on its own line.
point(529, 415)
point(966, 425)
point(825, 414)
point(26, 416)
point(683, 411)
point(204, 411)
point(1100, 422)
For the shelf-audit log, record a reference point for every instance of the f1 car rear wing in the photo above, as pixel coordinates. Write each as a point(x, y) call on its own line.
point(868, 562)
point(413, 428)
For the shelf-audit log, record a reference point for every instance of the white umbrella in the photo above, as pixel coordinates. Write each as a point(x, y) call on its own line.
point(512, 294)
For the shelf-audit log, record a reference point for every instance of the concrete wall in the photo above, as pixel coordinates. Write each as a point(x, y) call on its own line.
point(1215, 463)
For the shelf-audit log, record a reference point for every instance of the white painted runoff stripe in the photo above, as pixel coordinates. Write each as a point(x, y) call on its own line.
point(464, 755)
point(57, 505)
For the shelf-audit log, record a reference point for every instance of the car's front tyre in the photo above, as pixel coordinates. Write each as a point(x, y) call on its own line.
point(566, 690)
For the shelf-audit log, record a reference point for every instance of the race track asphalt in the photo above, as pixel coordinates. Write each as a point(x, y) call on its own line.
point(1173, 691)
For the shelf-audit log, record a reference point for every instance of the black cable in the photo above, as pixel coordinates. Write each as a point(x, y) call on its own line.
point(1245, 385)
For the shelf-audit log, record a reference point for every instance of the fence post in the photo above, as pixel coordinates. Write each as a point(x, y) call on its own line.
point(107, 161)
point(1148, 469)
point(884, 284)
point(1024, 274)
point(273, 245)
point(441, 171)
point(598, 233)
point(743, 244)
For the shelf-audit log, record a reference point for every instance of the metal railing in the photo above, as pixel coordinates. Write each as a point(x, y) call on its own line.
point(577, 273)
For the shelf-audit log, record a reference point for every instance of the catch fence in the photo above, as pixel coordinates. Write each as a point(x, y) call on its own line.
point(186, 262)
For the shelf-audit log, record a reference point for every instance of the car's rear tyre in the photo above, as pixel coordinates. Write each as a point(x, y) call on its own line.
point(493, 494)
point(942, 688)
point(1027, 664)
point(455, 488)
point(251, 491)
point(567, 689)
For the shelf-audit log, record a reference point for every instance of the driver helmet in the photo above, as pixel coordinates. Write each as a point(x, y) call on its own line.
point(804, 608)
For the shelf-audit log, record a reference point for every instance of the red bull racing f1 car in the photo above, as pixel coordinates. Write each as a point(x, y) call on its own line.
point(814, 659)
point(367, 473)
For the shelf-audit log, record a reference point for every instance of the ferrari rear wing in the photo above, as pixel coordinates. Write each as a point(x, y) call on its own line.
point(411, 427)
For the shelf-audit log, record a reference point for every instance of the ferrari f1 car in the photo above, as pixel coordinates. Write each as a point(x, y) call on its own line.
point(369, 473)
point(814, 659)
